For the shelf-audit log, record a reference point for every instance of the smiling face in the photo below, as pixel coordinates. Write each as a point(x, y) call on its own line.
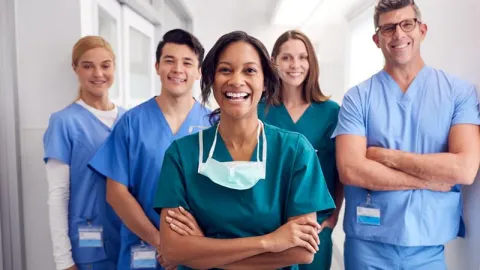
point(292, 62)
point(178, 69)
point(401, 47)
point(239, 80)
point(96, 71)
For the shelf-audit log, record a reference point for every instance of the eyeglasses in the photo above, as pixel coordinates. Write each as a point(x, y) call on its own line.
point(389, 29)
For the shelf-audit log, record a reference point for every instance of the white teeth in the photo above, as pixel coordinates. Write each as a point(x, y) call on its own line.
point(294, 74)
point(401, 46)
point(98, 82)
point(177, 79)
point(236, 95)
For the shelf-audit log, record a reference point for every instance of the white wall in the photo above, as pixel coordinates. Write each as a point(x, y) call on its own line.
point(46, 33)
point(452, 41)
point(331, 50)
point(171, 20)
point(212, 20)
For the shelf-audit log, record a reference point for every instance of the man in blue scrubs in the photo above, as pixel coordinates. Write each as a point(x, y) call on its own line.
point(132, 156)
point(406, 140)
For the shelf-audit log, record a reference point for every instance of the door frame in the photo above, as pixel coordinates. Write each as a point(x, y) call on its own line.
point(12, 251)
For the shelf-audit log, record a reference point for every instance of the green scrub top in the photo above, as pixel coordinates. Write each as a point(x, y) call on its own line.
point(317, 124)
point(294, 186)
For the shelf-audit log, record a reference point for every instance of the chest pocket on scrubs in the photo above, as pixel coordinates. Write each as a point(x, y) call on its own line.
point(434, 130)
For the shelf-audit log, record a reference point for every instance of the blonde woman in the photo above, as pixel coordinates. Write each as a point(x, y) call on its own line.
point(84, 229)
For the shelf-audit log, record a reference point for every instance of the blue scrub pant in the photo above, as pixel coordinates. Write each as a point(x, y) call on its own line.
point(368, 255)
point(104, 265)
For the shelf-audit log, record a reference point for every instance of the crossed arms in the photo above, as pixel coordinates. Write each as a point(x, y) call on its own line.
point(384, 169)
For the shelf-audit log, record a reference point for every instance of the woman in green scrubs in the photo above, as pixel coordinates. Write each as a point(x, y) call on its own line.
point(253, 190)
point(305, 109)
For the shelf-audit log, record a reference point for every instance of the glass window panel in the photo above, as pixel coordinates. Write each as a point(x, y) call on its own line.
point(107, 28)
point(140, 68)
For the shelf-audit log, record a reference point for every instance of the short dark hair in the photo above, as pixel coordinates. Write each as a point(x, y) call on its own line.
point(181, 37)
point(271, 80)
point(384, 6)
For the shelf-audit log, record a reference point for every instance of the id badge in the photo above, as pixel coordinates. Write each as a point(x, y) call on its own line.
point(143, 257)
point(90, 236)
point(368, 214)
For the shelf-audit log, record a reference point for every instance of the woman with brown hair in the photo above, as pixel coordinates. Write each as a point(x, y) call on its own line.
point(303, 108)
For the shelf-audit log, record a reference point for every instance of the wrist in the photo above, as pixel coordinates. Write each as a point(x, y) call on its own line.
point(266, 244)
point(156, 239)
point(71, 267)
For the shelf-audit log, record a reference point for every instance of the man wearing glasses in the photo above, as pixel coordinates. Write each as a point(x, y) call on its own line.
point(407, 139)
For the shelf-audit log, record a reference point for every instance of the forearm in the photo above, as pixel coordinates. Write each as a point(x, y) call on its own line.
point(375, 176)
point(440, 167)
point(58, 177)
point(205, 253)
point(62, 248)
point(133, 216)
point(267, 261)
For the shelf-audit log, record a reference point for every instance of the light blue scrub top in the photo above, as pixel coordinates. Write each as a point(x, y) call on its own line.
point(133, 156)
point(417, 121)
point(72, 137)
point(294, 186)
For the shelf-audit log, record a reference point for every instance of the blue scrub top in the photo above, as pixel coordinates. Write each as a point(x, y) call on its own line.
point(416, 121)
point(133, 156)
point(294, 186)
point(72, 137)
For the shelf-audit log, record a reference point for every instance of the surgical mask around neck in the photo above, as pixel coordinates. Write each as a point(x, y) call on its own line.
point(240, 175)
